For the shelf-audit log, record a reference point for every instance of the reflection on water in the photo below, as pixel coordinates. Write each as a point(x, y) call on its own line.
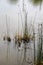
point(9, 54)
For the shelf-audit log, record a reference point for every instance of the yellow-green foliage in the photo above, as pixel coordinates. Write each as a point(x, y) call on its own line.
point(36, 2)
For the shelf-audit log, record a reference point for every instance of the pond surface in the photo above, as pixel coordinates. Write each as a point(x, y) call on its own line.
point(12, 55)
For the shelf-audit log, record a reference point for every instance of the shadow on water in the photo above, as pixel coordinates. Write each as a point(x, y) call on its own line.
point(7, 52)
point(14, 44)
